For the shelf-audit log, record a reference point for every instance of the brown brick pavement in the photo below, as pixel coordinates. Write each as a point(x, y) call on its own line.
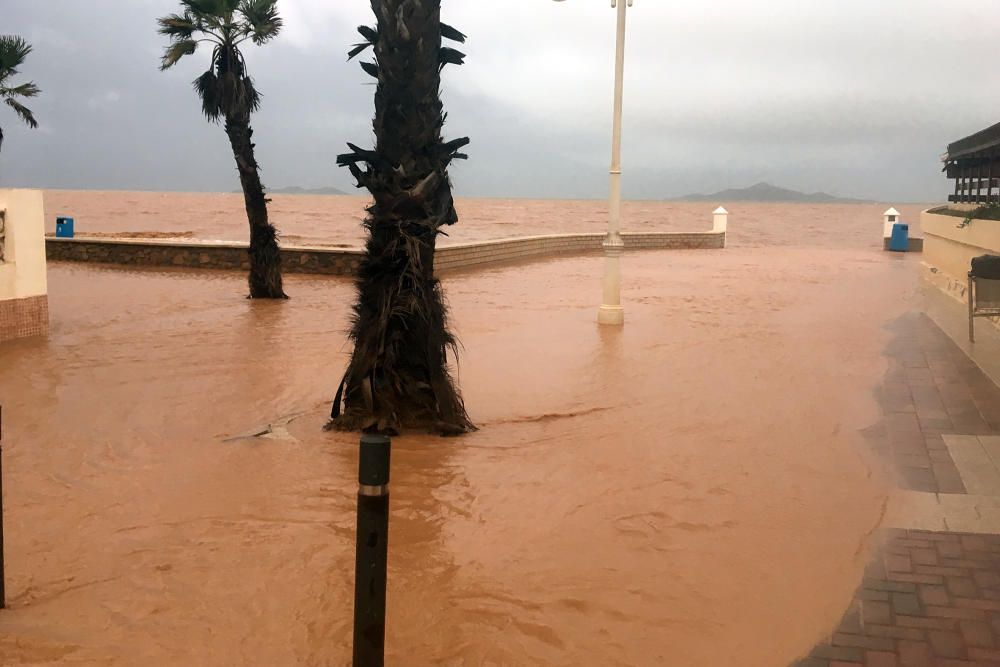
point(931, 388)
point(927, 598)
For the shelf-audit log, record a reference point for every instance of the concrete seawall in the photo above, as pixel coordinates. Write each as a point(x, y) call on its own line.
point(345, 261)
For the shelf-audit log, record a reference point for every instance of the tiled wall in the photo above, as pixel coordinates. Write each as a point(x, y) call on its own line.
point(207, 255)
point(3, 234)
point(22, 318)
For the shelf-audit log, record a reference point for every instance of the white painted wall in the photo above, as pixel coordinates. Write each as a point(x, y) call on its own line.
point(22, 273)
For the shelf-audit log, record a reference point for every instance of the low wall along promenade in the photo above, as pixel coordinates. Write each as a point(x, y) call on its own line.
point(345, 261)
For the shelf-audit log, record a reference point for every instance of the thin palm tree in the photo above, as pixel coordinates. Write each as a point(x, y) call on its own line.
point(227, 93)
point(398, 375)
point(13, 52)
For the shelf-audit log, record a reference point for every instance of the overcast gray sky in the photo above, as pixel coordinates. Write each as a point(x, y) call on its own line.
point(855, 97)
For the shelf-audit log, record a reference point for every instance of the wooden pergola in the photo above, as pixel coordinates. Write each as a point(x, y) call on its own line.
point(973, 162)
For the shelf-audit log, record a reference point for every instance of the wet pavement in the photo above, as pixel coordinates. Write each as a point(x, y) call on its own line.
point(930, 596)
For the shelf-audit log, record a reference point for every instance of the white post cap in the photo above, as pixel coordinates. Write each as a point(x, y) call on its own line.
point(890, 216)
point(720, 221)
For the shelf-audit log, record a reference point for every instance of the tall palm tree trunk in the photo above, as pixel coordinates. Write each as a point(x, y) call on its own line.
point(265, 256)
point(398, 376)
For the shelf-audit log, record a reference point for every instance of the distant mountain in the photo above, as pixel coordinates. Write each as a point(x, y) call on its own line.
point(765, 192)
point(295, 190)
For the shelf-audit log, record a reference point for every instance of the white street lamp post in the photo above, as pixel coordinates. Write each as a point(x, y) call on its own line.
point(611, 311)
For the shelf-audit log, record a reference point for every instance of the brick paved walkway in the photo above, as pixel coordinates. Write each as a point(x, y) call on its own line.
point(931, 598)
point(931, 389)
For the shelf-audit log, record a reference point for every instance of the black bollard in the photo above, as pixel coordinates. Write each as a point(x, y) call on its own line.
point(372, 551)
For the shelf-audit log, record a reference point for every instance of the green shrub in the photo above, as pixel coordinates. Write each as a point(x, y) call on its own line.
point(984, 212)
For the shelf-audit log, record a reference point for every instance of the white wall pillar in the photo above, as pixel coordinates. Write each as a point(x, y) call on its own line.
point(23, 283)
point(720, 223)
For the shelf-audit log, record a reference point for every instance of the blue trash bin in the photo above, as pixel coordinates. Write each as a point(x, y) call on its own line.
point(64, 228)
point(900, 240)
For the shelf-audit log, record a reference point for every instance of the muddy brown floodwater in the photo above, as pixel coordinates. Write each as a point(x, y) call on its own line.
point(689, 490)
point(335, 220)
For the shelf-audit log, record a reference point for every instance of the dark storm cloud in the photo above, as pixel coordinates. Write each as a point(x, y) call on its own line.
point(858, 98)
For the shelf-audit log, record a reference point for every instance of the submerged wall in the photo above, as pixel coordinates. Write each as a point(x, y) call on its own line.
point(24, 308)
point(345, 261)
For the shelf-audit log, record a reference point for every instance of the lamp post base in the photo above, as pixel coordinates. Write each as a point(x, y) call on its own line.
point(611, 315)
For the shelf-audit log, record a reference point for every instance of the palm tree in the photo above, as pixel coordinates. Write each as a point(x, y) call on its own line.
point(398, 374)
point(13, 51)
point(227, 93)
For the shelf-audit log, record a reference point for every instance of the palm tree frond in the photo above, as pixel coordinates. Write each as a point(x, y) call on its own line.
point(370, 35)
point(225, 89)
point(233, 94)
point(449, 56)
point(249, 95)
point(204, 9)
point(451, 33)
point(23, 112)
point(208, 89)
point(24, 90)
point(178, 26)
point(263, 21)
point(13, 51)
point(357, 49)
point(452, 147)
point(176, 51)
point(209, 15)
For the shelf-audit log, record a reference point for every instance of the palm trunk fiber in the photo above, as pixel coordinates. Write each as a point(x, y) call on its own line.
point(398, 376)
point(265, 256)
